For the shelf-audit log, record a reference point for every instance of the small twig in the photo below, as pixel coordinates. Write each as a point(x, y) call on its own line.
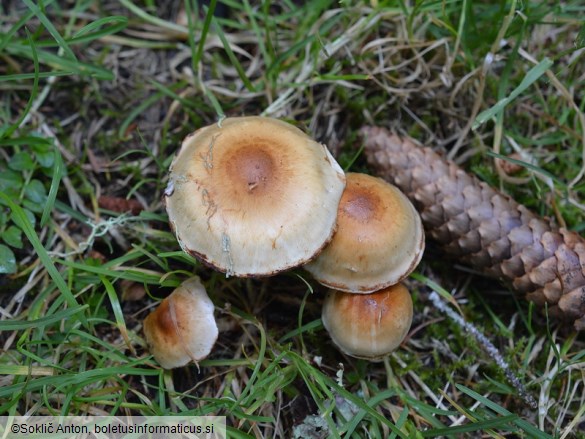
point(487, 345)
point(98, 229)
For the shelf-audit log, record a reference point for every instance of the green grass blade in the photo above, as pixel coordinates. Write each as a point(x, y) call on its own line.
point(93, 30)
point(438, 288)
point(349, 77)
point(214, 103)
point(498, 422)
point(40, 75)
point(140, 13)
point(332, 386)
point(63, 381)
point(58, 173)
point(203, 37)
point(8, 36)
point(372, 402)
point(232, 57)
point(20, 219)
point(258, 31)
point(257, 367)
point(118, 313)
point(531, 77)
point(528, 166)
point(137, 111)
point(26, 370)
point(61, 63)
point(18, 325)
point(50, 28)
point(353, 159)
point(237, 434)
point(524, 425)
point(33, 93)
point(136, 276)
point(307, 327)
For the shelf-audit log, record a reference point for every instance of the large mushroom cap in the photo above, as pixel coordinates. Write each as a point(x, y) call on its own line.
point(182, 328)
point(378, 242)
point(368, 326)
point(254, 196)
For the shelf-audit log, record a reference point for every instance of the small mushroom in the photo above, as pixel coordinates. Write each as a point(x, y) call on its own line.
point(368, 326)
point(253, 196)
point(182, 328)
point(378, 242)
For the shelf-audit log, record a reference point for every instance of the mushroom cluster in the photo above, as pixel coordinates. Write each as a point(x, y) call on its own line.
point(379, 241)
point(255, 196)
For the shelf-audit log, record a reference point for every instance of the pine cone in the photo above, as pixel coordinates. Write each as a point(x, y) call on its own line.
point(485, 228)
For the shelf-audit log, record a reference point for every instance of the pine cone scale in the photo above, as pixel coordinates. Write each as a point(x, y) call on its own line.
point(488, 229)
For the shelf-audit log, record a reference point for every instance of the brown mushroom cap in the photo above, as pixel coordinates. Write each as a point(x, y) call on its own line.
point(368, 326)
point(182, 328)
point(254, 196)
point(378, 242)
